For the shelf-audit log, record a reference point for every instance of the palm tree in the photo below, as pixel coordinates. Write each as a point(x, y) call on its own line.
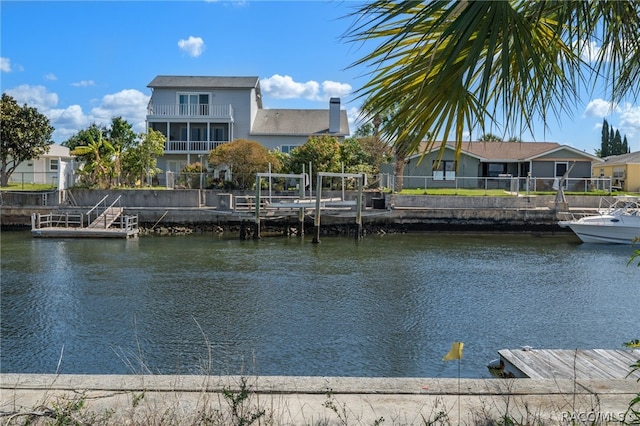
point(474, 64)
point(99, 166)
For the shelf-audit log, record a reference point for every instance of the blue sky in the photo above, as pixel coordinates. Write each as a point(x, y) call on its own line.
point(83, 62)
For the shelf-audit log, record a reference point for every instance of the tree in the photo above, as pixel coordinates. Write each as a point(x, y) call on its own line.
point(377, 152)
point(85, 136)
point(468, 64)
point(605, 147)
point(140, 160)
point(490, 137)
point(625, 146)
point(245, 158)
point(322, 152)
point(25, 134)
point(97, 169)
point(401, 146)
point(121, 134)
point(612, 143)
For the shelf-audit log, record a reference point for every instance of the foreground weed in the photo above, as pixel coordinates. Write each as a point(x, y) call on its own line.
point(632, 415)
point(241, 411)
point(339, 410)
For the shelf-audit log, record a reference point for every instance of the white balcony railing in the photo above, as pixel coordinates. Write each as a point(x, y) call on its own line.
point(199, 110)
point(197, 147)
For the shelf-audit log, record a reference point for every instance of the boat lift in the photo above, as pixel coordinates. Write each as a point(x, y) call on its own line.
point(307, 203)
point(302, 177)
point(362, 181)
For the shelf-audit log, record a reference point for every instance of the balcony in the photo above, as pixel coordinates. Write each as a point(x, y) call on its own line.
point(191, 147)
point(224, 112)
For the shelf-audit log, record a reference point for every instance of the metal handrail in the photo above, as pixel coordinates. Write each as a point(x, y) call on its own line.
point(97, 204)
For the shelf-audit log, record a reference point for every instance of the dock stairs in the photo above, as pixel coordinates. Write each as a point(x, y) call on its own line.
point(106, 218)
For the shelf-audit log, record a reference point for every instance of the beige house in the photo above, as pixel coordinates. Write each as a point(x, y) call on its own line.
point(54, 167)
point(624, 171)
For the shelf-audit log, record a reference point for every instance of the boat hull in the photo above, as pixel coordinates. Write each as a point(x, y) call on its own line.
point(593, 233)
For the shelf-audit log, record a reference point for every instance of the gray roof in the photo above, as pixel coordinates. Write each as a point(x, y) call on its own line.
point(191, 82)
point(508, 151)
point(297, 122)
point(630, 158)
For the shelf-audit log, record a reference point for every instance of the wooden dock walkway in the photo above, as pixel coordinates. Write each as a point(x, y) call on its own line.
point(110, 223)
point(570, 363)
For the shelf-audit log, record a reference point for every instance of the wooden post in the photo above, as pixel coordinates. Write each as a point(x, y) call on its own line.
point(256, 234)
point(359, 208)
point(301, 211)
point(316, 239)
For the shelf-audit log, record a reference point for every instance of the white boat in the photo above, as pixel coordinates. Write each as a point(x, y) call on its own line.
point(617, 224)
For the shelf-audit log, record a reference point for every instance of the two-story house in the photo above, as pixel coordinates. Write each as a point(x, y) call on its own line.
point(196, 114)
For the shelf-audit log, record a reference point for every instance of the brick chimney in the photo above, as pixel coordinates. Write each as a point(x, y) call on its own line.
point(334, 115)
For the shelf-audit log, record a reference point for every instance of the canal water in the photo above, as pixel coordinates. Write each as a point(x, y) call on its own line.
point(384, 306)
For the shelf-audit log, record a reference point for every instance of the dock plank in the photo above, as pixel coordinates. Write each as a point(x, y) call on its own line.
point(570, 364)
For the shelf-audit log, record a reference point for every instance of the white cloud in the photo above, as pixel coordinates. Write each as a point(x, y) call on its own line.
point(84, 83)
point(334, 89)
point(600, 108)
point(71, 118)
point(129, 104)
point(590, 51)
point(5, 64)
point(50, 77)
point(34, 96)
point(630, 120)
point(284, 87)
point(355, 118)
point(194, 46)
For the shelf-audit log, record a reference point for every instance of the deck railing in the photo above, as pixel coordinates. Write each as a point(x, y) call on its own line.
point(56, 220)
point(197, 110)
point(193, 147)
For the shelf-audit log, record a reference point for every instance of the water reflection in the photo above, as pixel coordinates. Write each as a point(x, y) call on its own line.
point(383, 306)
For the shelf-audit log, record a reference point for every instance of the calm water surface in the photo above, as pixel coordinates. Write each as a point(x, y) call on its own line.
point(383, 306)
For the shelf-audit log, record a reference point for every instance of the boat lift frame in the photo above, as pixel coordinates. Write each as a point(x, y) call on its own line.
point(301, 206)
point(362, 180)
point(302, 177)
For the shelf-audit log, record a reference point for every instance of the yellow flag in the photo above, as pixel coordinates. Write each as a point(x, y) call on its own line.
point(455, 352)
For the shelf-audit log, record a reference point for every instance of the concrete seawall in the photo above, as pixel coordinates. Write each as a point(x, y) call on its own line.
point(404, 212)
point(178, 400)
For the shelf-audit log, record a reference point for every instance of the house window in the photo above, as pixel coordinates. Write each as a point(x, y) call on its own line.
point(53, 165)
point(194, 103)
point(618, 172)
point(286, 149)
point(496, 169)
point(561, 168)
point(444, 170)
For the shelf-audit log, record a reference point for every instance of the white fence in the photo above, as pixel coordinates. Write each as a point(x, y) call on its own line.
point(507, 183)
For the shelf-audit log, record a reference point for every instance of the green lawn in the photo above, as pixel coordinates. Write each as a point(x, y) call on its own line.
point(13, 186)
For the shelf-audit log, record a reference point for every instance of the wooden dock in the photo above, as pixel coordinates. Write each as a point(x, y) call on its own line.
point(569, 363)
point(60, 232)
point(109, 222)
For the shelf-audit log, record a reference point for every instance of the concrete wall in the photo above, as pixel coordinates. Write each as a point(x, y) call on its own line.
point(193, 198)
point(485, 202)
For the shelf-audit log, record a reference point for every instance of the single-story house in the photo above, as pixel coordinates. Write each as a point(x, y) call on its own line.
point(624, 171)
point(49, 168)
point(484, 160)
